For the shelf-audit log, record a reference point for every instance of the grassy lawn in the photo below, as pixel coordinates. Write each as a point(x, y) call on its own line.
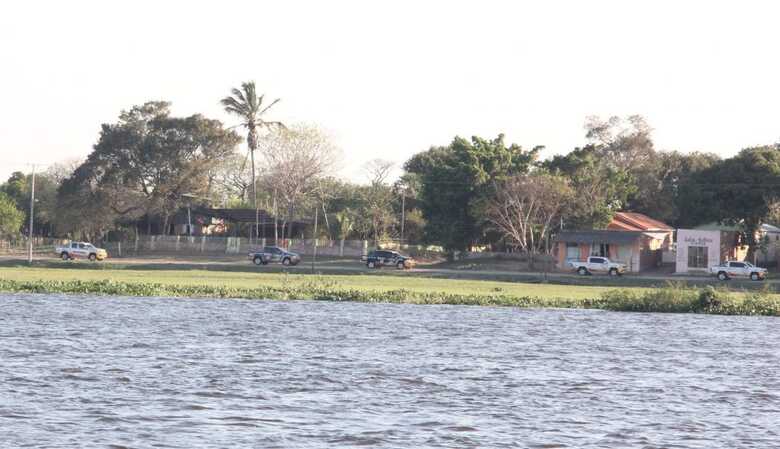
point(245, 280)
point(192, 282)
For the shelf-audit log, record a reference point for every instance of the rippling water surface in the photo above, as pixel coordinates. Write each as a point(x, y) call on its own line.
point(128, 372)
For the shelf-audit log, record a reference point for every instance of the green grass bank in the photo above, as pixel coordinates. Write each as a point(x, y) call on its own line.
point(676, 298)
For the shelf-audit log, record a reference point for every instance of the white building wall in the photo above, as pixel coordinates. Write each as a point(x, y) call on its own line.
point(692, 237)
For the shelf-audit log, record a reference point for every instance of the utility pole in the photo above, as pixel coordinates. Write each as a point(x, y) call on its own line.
point(314, 258)
point(32, 209)
point(276, 222)
point(403, 215)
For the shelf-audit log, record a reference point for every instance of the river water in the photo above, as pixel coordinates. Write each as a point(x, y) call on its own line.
point(79, 372)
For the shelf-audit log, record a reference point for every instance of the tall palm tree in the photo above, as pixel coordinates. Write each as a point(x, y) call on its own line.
point(245, 104)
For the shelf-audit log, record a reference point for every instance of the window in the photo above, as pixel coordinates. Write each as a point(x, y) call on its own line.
point(599, 249)
point(737, 265)
point(596, 260)
point(697, 257)
point(82, 246)
point(572, 251)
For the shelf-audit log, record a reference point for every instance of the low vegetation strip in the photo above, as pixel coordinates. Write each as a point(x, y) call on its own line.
point(671, 299)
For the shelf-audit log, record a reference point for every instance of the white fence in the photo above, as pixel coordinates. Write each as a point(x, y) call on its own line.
point(41, 245)
point(183, 246)
point(208, 245)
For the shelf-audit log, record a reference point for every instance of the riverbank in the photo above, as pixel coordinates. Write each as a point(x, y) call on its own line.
point(477, 270)
point(676, 298)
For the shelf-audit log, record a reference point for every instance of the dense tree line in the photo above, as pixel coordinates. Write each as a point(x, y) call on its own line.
point(149, 164)
point(485, 193)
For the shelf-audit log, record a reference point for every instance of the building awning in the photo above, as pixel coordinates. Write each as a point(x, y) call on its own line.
point(616, 237)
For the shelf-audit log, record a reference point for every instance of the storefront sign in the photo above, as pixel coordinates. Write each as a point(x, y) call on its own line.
point(698, 241)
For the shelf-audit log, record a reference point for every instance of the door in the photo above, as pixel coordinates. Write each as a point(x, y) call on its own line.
point(597, 264)
point(736, 269)
point(387, 258)
point(82, 250)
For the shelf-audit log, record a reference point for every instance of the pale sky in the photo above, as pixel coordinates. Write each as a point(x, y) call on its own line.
point(389, 79)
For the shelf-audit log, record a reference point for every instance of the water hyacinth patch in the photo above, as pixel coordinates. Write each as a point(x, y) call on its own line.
point(674, 298)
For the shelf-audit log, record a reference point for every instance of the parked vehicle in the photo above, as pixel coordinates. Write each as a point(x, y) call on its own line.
point(379, 258)
point(83, 250)
point(598, 265)
point(274, 254)
point(733, 269)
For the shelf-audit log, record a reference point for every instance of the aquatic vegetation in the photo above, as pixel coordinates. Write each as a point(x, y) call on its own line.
point(677, 298)
point(674, 298)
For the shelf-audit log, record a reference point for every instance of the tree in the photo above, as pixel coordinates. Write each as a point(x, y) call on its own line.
point(18, 190)
point(625, 144)
point(740, 190)
point(231, 180)
point(296, 160)
point(379, 199)
point(145, 163)
point(456, 182)
point(11, 218)
point(412, 222)
point(601, 188)
point(527, 206)
point(245, 104)
point(664, 192)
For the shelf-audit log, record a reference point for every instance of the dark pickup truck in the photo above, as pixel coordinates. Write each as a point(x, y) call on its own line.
point(379, 258)
point(273, 254)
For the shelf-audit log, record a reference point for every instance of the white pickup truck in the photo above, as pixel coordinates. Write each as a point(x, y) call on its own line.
point(596, 264)
point(733, 269)
point(75, 250)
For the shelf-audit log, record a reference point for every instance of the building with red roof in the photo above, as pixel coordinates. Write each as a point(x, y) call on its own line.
point(630, 238)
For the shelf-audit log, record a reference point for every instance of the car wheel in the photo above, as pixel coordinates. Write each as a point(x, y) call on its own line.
point(286, 261)
point(723, 276)
point(371, 264)
point(65, 256)
point(754, 276)
point(582, 271)
point(613, 272)
point(92, 257)
point(400, 265)
point(258, 261)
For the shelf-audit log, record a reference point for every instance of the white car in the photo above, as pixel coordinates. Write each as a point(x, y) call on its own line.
point(81, 250)
point(596, 264)
point(734, 269)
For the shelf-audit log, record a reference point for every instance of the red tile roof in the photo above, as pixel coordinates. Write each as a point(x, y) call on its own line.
point(633, 221)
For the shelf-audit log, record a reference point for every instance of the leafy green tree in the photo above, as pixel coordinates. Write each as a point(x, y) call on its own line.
point(665, 191)
point(145, 164)
point(601, 188)
point(18, 190)
point(456, 183)
point(739, 190)
point(11, 218)
point(248, 107)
